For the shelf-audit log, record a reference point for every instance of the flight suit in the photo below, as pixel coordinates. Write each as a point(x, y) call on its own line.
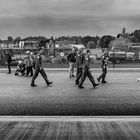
point(86, 72)
point(8, 60)
point(71, 59)
point(39, 69)
point(79, 66)
point(104, 69)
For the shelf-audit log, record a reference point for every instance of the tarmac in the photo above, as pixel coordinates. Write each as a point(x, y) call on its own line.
point(67, 69)
point(113, 107)
point(120, 96)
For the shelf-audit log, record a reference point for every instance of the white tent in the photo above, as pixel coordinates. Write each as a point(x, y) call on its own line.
point(79, 46)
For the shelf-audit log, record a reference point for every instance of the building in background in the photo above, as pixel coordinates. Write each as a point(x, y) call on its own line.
point(4, 44)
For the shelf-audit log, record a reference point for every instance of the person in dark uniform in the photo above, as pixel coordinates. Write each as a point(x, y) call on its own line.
point(71, 59)
point(86, 71)
point(32, 59)
point(79, 65)
point(39, 69)
point(8, 61)
point(104, 66)
point(29, 66)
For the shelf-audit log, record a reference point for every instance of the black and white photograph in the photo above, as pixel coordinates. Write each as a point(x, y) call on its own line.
point(69, 69)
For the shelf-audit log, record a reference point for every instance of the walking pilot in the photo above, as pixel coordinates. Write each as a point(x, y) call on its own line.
point(104, 66)
point(79, 65)
point(39, 69)
point(71, 59)
point(86, 71)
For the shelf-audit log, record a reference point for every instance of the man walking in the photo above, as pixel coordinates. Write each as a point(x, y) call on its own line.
point(86, 71)
point(39, 69)
point(32, 59)
point(71, 59)
point(8, 61)
point(104, 66)
point(79, 65)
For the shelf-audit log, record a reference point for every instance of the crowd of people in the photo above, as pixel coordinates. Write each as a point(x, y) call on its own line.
point(29, 66)
point(83, 64)
point(32, 66)
point(26, 66)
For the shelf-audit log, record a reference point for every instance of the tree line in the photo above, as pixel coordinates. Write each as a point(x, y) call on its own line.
point(87, 41)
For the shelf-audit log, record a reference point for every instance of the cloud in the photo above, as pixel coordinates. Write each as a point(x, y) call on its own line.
point(78, 17)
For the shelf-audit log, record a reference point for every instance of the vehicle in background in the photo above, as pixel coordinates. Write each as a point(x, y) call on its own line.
point(119, 56)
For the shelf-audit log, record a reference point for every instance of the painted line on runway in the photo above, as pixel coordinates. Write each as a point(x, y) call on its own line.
point(71, 118)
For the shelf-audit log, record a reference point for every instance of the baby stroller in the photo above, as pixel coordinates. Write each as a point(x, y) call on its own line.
point(20, 68)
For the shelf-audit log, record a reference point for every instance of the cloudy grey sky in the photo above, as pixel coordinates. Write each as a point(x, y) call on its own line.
point(67, 17)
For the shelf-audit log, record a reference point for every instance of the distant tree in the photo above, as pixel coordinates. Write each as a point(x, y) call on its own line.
point(133, 39)
point(120, 43)
point(42, 43)
point(91, 45)
point(105, 41)
point(17, 39)
point(39, 38)
point(86, 39)
point(136, 35)
point(9, 38)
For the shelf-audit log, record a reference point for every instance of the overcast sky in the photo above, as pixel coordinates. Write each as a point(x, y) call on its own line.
point(67, 17)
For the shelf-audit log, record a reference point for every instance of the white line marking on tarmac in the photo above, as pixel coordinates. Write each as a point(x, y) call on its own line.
point(71, 118)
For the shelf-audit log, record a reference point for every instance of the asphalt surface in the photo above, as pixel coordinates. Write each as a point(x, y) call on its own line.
point(120, 96)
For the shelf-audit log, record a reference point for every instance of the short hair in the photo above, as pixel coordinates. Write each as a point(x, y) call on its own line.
point(87, 51)
point(119, 35)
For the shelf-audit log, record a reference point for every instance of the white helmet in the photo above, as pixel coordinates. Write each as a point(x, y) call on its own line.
point(19, 61)
point(27, 52)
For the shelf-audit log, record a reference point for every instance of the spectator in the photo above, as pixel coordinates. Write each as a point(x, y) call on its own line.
point(71, 60)
point(32, 57)
point(29, 64)
point(8, 61)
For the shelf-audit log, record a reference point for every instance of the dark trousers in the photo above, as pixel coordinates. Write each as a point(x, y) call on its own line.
point(103, 75)
point(79, 74)
point(77, 70)
point(9, 67)
point(42, 72)
point(34, 65)
point(87, 73)
point(29, 70)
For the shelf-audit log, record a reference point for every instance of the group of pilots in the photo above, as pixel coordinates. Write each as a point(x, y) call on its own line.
point(83, 63)
point(78, 57)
